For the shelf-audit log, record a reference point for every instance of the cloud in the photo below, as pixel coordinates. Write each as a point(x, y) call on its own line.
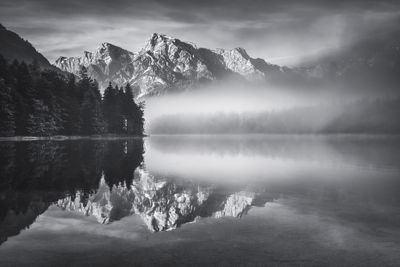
point(281, 31)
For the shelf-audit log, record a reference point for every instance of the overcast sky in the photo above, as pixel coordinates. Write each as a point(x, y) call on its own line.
point(282, 32)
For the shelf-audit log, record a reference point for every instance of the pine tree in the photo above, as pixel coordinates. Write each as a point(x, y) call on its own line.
point(139, 118)
point(36, 102)
point(132, 112)
point(3, 69)
point(112, 110)
point(24, 96)
point(7, 111)
point(127, 101)
point(40, 121)
point(73, 98)
point(108, 107)
point(49, 89)
point(121, 118)
point(91, 114)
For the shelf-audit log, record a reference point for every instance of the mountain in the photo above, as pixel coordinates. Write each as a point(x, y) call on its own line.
point(166, 64)
point(107, 63)
point(12, 46)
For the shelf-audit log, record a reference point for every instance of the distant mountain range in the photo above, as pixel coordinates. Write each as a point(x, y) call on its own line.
point(168, 64)
point(165, 64)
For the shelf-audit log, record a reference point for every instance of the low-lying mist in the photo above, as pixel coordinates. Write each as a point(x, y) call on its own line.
point(237, 107)
point(222, 97)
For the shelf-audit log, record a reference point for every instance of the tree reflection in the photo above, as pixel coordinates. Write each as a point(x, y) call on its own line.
point(33, 175)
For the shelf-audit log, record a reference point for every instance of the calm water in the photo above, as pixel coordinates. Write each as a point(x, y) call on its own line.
point(201, 200)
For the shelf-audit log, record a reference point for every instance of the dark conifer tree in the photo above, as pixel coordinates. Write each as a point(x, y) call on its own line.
point(139, 118)
point(90, 111)
point(91, 115)
point(73, 98)
point(48, 88)
point(7, 111)
point(122, 120)
point(24, 96)
point(40, 121)
point(112, 110)
point(108, 107)
point(4, 69)
point(43, 103)
point(131, 111)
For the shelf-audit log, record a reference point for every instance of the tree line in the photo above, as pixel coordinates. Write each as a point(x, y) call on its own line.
point(35, 102)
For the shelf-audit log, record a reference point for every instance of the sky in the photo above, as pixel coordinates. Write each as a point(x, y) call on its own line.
point(281, 32)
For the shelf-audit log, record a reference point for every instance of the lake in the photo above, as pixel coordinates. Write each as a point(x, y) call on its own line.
point(225, 200)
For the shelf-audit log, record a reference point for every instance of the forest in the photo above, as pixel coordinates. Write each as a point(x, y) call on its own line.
point(36, 102)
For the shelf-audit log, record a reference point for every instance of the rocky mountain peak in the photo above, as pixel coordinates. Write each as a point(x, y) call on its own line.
point(165, 64)
point(163, 44)
point(158, 37)
point(242, 52)
point(60, 60)
point(238, 61)
point(87, 54)
point(108, 48)
point(106, 45)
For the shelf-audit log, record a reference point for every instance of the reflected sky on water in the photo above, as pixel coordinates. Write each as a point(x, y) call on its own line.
point(267, 200)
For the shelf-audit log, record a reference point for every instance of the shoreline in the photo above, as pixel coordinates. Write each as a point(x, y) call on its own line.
point(122, 137)
point(70, 137)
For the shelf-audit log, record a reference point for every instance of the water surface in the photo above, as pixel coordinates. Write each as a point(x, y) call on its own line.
point(201, 200)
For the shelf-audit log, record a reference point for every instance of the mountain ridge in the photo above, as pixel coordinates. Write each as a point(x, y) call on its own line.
point(166, 63)
point(13, 47)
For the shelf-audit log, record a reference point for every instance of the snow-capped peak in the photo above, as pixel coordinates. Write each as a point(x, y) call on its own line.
point(107, 47)
point(163, 64)
point(161, 43)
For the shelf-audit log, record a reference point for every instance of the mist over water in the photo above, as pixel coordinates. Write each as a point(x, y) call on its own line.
point(226, 97)
point(235, 96)
point(243, 107)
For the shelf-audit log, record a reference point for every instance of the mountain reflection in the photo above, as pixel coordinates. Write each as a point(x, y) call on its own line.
point(161, 203)
point(170, 181)
point(104, 179)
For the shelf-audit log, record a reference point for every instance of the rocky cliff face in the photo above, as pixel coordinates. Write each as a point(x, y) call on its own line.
point(107, 63)
point(166, 64)
point(163, 205)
